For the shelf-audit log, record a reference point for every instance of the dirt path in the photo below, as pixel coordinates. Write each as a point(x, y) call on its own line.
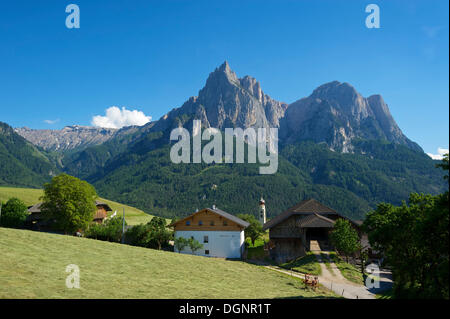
point(332, 280)
point(335, 274)
point(345, 290)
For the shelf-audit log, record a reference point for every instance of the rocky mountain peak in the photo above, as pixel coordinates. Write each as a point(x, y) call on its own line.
point(336, 92)
point(335, 113)
point(222, 75)
point(227, 101)
point(252, 86)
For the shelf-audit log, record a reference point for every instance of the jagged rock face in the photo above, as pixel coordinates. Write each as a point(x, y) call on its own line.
point(335, 113)
point(68, 138)
point(227, 101)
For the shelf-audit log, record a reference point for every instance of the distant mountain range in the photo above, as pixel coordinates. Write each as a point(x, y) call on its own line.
point(68, 138)
point(335, 145)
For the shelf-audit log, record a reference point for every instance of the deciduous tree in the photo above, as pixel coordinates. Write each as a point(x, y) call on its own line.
point(254, 230)
point(180, 243)
point(70, 202)
point(194, 245)
point(345, 238)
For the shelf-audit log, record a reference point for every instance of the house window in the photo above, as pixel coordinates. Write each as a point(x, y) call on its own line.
point(205, 239)
point(200, 222)
point(225, 223)
point(188, 223)
point(211, 223)
point(206, 252)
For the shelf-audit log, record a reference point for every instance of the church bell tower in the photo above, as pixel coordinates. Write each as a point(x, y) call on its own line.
point(262, 211)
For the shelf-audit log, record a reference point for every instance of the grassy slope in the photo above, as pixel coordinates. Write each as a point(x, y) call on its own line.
point(31, 196)
point(307, 264)
point(347, 270)
point(32, 265)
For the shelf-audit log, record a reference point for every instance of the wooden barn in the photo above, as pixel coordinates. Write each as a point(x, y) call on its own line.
point(101, 212)
point(35, 220)
point(291, 232)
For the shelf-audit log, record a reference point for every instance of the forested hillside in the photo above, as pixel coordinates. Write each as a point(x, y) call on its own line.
point(22, 163)
point(350, 183)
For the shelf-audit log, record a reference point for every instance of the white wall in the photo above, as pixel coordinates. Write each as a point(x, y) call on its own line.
point(225, 244)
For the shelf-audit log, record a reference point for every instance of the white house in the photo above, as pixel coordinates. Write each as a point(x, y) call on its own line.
point(220, 233)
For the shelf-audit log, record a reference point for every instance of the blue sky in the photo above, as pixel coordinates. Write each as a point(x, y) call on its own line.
point(152, 55)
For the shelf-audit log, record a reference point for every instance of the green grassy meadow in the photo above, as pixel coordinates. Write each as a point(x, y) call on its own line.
point(33, 264)
point(307, 264)
point(30, 196)
point(347, 270)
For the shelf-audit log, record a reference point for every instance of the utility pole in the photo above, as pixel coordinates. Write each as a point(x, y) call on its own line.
point(123, 225)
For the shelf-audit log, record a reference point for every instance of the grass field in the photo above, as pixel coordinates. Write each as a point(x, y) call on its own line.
point(307, 264)
point(29, 196)
point(347, 270)
point(32, 265)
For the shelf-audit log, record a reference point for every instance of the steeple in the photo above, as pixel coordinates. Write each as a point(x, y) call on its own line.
point(262, 211)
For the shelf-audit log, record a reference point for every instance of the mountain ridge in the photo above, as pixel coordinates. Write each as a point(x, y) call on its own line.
point(335, 145)
point(334, 113)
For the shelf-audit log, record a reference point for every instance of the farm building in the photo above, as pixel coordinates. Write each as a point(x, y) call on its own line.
point(36, 221)
point(220, 233)
point(101, 212)
point(291, 232)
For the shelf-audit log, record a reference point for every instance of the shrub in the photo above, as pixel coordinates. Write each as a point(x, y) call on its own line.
point(110, 230)
point(154, 234)
point(194, 245)
point(13, 213)
point(180, 243)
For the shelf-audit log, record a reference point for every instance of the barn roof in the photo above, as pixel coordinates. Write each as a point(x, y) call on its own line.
point(36, 208)
point(99, 203)
point(307, 207)
point(315, 220)
point(220, 212)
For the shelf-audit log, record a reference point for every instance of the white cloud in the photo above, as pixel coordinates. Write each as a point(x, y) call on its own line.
point(51, 122)
point(118, 118)
point(440, 154)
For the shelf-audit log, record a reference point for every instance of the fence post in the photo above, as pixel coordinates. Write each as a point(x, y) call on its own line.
point(123, 226)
